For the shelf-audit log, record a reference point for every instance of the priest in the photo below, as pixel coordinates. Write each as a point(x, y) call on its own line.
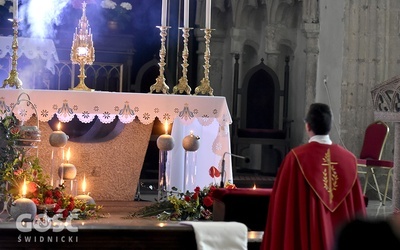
point(315, 192)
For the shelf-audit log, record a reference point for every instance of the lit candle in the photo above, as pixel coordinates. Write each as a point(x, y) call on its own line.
point(208, 14)
point(15, 9)
point(58, 138)
point(23, 206)
point(24, 188)
point(191, 142)
point(164, 13)
point(186, 14)
point(254, 187)
point(166, 126)
point(85, 197)
point(165, 142)
point(67, 171)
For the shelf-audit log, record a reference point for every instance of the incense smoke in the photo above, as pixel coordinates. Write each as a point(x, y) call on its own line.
point(41, 15)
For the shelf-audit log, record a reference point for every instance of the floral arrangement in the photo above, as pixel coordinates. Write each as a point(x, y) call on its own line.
point(189, 205)
point(16, 170)
point(116, 12)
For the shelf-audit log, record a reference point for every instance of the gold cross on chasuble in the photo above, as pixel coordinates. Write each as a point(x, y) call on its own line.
point(330, 176)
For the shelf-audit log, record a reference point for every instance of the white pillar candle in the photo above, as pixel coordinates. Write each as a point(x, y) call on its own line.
point(186, 14)
point(208, 14)
point(15, 9)
point(164, 13)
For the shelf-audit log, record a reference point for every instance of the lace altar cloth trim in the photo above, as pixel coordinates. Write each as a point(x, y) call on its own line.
point(66, 104)
point(31, 48)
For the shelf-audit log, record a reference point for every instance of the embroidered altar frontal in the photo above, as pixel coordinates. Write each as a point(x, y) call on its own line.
point(112, 167)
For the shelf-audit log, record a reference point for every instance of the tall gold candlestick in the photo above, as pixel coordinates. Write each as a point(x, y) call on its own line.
point(183, 85)
point(160, 85)
point(13, 80)
point(204, 87)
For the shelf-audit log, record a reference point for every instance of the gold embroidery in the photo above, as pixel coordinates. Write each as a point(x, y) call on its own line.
point(330, 176)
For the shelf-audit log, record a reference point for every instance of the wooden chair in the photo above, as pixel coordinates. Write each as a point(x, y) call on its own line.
point(262, 120)
point(370, 156)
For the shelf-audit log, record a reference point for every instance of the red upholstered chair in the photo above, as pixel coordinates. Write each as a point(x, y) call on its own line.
point(246, 205)
point(370, 156)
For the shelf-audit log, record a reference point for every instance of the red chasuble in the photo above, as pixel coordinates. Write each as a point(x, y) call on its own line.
point(312, 197)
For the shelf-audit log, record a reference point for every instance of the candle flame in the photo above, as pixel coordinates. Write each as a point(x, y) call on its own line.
point(24, 188)
point(191, 132)
point(68, 154)
point(59, 126)
point(84, 184)
point(254, 187)
point(166, 125)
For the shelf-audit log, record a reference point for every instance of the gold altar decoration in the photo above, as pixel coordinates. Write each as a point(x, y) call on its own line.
point(204, 87)
point(183, 85)
point(82, 51)
point(160, 85)
point(12, 79)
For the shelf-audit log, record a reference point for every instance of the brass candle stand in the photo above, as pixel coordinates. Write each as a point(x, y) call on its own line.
point(160, 85)
point(204, 87)
point(183, 86)
point(82, 51)
point(13, 80)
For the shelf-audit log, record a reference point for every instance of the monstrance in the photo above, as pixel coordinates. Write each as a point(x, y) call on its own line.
point(82, 51)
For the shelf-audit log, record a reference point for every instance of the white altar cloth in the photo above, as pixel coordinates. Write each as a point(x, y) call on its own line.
point(207, 116)
point(31, 48)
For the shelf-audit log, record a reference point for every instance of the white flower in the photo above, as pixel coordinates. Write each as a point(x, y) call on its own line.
point(108, 4)
point(2, 2)
point(126, 5)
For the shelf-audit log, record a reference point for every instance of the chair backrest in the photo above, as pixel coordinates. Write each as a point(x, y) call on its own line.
point(374, 140)
point(260, 98)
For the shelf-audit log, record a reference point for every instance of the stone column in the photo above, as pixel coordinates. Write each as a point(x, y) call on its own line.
point(396, 170)
point(272, 39)
point(311, 31)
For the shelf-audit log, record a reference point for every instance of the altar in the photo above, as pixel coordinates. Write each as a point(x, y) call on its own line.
point(113, 167)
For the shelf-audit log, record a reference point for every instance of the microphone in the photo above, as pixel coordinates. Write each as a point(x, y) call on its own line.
point(246, 159)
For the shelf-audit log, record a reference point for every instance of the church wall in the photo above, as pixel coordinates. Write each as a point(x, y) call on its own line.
point(330, 64)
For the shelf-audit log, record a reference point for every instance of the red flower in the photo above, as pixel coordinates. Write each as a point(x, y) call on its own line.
point(208, 201)
point(48, 193)
point(14, 130)
point(197, 189)
point(195, 196)
point(48, 200)
point(35, 200)
point(187, 198)
point(57, 194)
point(214, 172)
point(56, 207)
point(31, 187)
point(65, 213)
point(71, 206)
point(18, 171)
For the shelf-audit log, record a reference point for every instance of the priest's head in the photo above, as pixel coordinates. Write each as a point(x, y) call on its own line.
point(318, 119)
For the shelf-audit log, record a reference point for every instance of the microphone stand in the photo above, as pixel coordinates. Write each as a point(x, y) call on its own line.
point(222, 183)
